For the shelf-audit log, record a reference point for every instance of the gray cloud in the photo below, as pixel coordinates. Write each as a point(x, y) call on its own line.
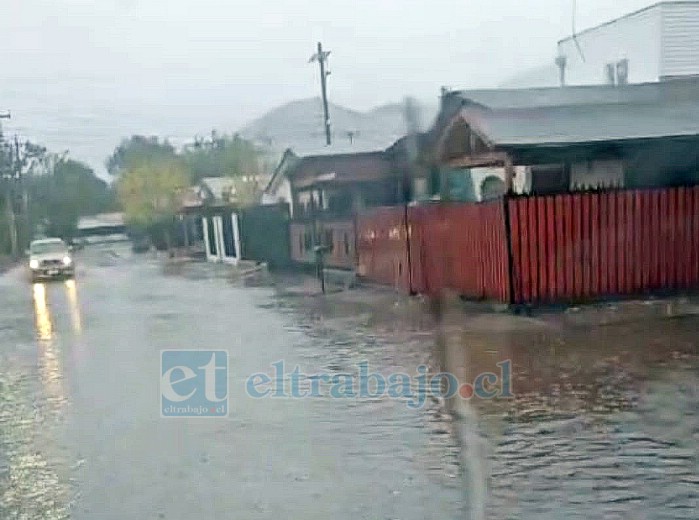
point(79, 74)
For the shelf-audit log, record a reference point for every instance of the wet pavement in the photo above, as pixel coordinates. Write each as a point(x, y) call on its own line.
point(605, 422)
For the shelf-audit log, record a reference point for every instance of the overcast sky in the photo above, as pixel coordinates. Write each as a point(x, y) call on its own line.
point(182, 66)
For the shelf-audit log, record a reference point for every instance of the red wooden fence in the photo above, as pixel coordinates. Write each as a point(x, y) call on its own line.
point(564, 248)
point(462, 247)
point(452, 246)
point(382, 251)
point(586, 246)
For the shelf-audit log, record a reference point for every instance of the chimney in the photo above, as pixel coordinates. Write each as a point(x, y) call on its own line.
point(561, 63)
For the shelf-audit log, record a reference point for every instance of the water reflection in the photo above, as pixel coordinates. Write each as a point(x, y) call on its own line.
point(604, 422)
point(31, 483)
point(44, 325)
point(49, 362)
point(74, 306)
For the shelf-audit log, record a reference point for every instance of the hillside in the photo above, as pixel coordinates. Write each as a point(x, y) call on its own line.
point(299, 125)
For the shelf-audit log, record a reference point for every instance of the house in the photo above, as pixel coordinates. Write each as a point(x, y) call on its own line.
point(209, 218)
point(660, 42)
point(657, 43)
point(104, 227)
point(594, 194)
point(325, 190)
point(212, 218)
point(552, 140)
point(278, 188)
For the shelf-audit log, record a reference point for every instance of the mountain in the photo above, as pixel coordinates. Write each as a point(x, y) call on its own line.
point(299, 125)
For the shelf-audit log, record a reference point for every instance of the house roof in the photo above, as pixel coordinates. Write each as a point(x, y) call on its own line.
point(331, 168)
point(101, 220)
point(217, 186)
point(339, 168)
point(583, 123)
point(288, 157)
point(677, 90)
point(575, 115)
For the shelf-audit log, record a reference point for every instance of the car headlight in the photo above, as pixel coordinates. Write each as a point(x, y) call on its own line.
point(67, 260)
point(33, 264)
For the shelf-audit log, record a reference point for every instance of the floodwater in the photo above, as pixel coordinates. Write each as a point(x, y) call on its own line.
point(604, 422)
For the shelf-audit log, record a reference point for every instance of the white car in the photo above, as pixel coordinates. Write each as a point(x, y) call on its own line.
point(50, 258)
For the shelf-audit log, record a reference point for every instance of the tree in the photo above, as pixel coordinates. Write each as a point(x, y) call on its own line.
point(19, 161)
point(223, 156)
point(69, 191)
point(137, 149)
point(149, 193)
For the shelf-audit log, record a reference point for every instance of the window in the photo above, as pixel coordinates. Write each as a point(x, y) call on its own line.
point(550, 178)
point(347, 244)
point(328, 240)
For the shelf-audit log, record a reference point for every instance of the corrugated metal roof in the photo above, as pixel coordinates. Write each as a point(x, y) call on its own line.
point(567, 115)
point(218, 186)
point(355, 167)
point(345, 147)
point(583, 124)
point(582, 95)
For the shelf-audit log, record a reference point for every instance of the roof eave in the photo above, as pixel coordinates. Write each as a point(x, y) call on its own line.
point(279, 170)
point(592, 142)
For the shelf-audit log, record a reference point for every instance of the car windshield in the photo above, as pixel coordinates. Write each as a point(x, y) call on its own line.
point(40, 248)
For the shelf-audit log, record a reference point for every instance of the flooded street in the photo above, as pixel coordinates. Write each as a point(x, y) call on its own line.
point(82, 437)
point(604, 422)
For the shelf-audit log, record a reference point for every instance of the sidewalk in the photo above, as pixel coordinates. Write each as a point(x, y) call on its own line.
point(388, 304)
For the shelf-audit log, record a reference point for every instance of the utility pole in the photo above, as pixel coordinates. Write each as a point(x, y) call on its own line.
point(322, 58)
point(409, 175)
point(20, 159)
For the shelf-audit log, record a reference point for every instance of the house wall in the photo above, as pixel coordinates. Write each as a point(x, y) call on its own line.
point(596, 174)
point(521, 182)
point(680, 39)
point(337, 234)
point(282, 193)
point(636, 38)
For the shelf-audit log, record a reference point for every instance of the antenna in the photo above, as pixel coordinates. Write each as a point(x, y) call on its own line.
point(575, 32)
point(351, 134)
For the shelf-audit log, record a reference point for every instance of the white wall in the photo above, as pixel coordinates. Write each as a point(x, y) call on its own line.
point(636, 38)
point(521, 182)
point(596, 174)
point(680, 39)
point(282, 193)
point(583, 175)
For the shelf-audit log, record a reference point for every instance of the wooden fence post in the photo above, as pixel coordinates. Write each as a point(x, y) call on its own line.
point(510, 254)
